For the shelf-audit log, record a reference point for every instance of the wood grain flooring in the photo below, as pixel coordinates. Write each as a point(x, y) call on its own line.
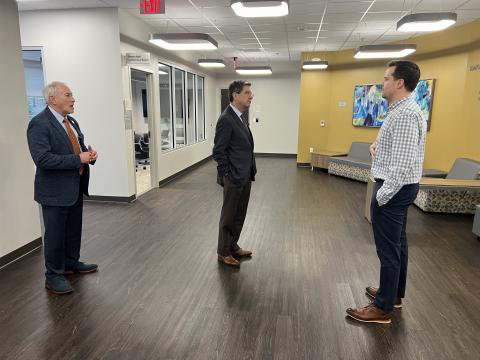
point(160, 293)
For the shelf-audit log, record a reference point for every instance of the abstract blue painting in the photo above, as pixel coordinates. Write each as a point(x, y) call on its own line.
point(370, 109)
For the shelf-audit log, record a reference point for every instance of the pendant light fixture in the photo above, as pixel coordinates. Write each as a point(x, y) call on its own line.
point(422, 22)
point(260, 8)
point(315, 64)
point(254, 70)
point(384, 51)
point(184, 41)
point(211, 63)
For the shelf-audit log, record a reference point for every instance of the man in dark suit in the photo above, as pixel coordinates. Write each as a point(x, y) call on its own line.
point(233, 151)
point(62, 159)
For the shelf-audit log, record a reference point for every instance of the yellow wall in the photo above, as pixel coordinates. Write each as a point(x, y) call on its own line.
point(472, 104)
point(455, 125)
point(314, 108)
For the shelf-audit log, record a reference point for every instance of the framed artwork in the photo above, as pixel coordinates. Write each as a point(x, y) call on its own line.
point(370, 109)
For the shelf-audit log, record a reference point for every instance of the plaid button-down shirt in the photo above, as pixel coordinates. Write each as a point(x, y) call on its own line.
point(400, 148)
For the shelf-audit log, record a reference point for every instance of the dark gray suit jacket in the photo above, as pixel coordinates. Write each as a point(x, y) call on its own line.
point(57, 179)
point(233, 149)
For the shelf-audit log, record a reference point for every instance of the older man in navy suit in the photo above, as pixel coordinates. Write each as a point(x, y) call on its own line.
point(62, 159)
point(233, 151)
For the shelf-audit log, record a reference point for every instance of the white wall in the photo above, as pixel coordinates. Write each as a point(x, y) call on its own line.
point(276, 104)
point(19, 217)
point(81, 47)
point(135, 39)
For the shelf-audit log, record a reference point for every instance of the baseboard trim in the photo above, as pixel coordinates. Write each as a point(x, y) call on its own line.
point(277, 155)
point(117, 199)
point(20, 252)
point(304, 165)
point(179, 174)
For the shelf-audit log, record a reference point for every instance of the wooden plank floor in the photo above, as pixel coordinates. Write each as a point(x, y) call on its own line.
point(160, 293)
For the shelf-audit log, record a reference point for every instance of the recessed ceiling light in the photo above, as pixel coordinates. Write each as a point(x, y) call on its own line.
point(420, 22)
point(211, 63)
point(260, 8)
point(315, 65)
point(184, 41)
point(254, 70)
point(384, 51)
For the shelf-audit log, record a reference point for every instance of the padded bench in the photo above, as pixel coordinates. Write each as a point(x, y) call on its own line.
point(434, 173)
point(476, 222)
point(459, 192)
point(356, 165)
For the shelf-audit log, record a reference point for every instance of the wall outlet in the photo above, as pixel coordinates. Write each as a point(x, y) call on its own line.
point(342, 103)
point(311, 149)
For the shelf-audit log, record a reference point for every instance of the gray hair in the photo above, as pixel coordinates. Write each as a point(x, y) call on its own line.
point(51, 89)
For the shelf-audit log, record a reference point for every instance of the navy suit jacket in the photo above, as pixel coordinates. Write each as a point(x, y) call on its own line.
point(233, 149)
point(57, 179)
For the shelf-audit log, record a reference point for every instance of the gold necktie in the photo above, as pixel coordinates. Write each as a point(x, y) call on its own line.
point(73, 140)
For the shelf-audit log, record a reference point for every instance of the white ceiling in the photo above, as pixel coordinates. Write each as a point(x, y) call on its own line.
point(312, 25)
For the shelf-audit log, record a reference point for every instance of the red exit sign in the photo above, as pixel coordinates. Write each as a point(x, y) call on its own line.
point(152, 6)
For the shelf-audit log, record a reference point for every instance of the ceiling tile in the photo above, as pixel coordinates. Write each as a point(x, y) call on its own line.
point(303, 19)
point(348, 6)
point(471, 5)
point(284, 37)
point(339, 26)
point(383, 17)
point(389, 5)
point(468, 14)
point(440, 5)
point(343, 17)
point(217, 12)
point(303, 9)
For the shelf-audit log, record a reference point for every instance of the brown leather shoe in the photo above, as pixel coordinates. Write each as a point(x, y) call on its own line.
point(372, 292)
point(369, 314)
point(229, 260)
point(242, 253)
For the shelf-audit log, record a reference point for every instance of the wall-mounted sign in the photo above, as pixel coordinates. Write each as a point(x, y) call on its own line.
point(137, 59)
point(127, 117)
point(152, 6)
point(475, 67)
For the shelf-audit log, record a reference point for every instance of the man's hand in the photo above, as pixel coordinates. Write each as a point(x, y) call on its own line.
point(85, 157)
point(93, 153)
point(373, 148)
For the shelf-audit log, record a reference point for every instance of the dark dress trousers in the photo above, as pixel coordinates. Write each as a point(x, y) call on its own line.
point(389, 223)
point(233, 152)
point(59, 188)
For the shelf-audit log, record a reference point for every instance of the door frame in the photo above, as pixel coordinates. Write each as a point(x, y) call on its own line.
point(153, 141)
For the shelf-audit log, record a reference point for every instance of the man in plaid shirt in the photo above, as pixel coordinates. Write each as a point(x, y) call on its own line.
point(397, 165)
